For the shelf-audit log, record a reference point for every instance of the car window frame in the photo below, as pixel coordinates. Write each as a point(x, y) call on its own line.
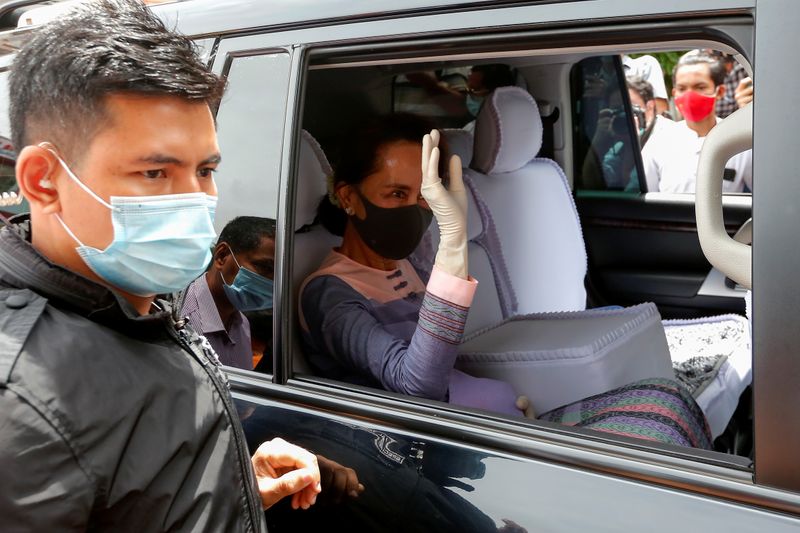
point(339, 387)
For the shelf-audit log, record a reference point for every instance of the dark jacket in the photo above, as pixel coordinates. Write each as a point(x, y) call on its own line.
point(110, 420)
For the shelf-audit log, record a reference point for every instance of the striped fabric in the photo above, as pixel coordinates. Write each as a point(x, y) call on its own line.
point(442, 319)
point(651, 409)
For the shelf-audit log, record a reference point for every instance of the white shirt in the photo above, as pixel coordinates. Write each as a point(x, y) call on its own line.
point(649, 69)
point(671, 155)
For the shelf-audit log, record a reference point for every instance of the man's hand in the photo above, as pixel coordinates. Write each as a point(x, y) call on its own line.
point(744, 92)
point(282, 469)
point(338, 480)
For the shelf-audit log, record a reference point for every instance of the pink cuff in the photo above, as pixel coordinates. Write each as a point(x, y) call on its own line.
point(452, 288)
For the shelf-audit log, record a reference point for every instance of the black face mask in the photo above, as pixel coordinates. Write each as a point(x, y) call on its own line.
point(393, 232)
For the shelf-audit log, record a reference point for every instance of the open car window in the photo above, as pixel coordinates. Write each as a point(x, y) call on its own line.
point(586, 136)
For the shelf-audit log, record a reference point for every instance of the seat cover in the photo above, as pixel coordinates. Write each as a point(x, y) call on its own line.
point(531, 204)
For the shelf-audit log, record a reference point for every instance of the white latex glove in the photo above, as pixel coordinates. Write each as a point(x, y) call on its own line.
point(449, 208)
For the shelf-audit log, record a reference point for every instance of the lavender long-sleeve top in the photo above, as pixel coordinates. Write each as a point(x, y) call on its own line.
point(387, 329)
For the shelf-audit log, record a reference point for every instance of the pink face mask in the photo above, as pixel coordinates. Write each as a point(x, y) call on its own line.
point(695, 106)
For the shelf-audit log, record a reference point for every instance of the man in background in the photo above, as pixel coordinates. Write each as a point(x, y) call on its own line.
point(670, 162)
point(238, 281)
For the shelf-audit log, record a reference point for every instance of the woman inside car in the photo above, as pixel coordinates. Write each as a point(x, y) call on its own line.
point(367, 315)
point(369, 318)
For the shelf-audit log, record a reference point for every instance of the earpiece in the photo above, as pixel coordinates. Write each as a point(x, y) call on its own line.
point(45, 183)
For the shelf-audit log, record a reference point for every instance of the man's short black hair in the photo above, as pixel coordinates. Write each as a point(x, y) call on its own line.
point(641, 86)
point(244, 234)
point(60, 78)
point(698, 57)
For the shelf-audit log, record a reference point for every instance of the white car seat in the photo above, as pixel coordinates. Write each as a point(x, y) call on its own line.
point(531, 204)
point(541, 248)
point(311, 241)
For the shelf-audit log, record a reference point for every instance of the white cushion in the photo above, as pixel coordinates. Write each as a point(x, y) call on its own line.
point(508, 132)
point(312, 174)
point(559, 358)
point(486, 309)
point(724, 334)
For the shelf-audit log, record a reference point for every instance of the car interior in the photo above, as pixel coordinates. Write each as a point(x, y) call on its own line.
point(581, 289)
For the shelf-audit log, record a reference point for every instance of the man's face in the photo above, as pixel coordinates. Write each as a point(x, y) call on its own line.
point(149, 145)
point(475, 83)
point(260, 260)
point(648, 107)
point(695, 78)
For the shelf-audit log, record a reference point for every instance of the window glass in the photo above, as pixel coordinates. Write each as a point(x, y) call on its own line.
point(250, 129)
point(662, 105)
point(535, 249)
point(605, 138)
point(8, 156)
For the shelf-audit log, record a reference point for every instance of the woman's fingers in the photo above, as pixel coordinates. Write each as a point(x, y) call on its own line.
point(426, 155)
point(433, 166)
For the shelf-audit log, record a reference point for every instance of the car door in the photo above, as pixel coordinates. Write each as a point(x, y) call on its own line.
point(428, 465)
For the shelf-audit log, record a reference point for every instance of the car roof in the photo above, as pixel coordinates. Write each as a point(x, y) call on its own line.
point(199, 17)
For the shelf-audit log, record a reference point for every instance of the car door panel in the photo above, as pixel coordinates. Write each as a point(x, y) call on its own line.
point(645, 248)
point(416, 480)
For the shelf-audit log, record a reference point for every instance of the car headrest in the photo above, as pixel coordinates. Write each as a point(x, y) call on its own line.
point(508, 131)
point(312, 174)
point(460, 143)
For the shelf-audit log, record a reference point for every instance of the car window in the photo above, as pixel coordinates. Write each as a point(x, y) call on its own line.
point(247, 180)
point(598, 150)
point(8, 182)
point(250, 123)
point(650, 113)
point(604, 128)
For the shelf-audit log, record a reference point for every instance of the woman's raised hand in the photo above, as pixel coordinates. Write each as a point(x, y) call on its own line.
point(448, 206)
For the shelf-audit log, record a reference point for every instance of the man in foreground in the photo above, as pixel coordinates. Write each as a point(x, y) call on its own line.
point(114, 414)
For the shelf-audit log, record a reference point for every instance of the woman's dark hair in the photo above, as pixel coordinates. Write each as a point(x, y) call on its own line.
point(360, 156)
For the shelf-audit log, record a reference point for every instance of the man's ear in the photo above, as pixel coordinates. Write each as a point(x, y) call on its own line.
point(720, 91)
point(221, 253)
point(36, 170)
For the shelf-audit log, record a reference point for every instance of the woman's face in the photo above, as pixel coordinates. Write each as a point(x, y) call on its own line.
point(396, 183)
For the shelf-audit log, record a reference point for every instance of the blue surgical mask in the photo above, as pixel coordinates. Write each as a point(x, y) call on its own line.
point(249, 291)
point(474, 104)
point(160, 245)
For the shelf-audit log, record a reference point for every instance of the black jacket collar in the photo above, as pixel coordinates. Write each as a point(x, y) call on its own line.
point(22, 266)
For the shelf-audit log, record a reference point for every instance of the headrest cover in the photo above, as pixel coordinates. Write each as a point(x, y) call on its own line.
point(460, 143)
point(312, 174)
point(508, 131)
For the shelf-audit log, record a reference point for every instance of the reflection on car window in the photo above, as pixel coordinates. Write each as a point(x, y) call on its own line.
point(668, 101)
point(231, 304)
point(606, 138)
